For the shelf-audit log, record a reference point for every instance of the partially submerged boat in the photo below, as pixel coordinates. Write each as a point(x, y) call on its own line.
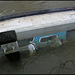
point(38, 23)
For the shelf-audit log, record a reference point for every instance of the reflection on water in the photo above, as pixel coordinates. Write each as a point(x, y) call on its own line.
point(45, 61)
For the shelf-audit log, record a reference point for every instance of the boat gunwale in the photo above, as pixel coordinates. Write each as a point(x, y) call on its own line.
point(12, 16)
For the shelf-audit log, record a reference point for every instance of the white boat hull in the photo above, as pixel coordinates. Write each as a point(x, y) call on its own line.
point(36, 25)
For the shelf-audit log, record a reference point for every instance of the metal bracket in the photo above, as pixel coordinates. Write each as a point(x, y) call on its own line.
point(8, 42)
point(10, 47)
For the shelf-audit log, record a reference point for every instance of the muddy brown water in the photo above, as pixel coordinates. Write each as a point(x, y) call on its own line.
point(46, 61)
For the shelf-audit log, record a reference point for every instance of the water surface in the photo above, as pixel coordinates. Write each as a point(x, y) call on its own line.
point(58, 61)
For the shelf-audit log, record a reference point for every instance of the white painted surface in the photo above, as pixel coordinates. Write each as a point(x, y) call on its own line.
point(37, 22)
